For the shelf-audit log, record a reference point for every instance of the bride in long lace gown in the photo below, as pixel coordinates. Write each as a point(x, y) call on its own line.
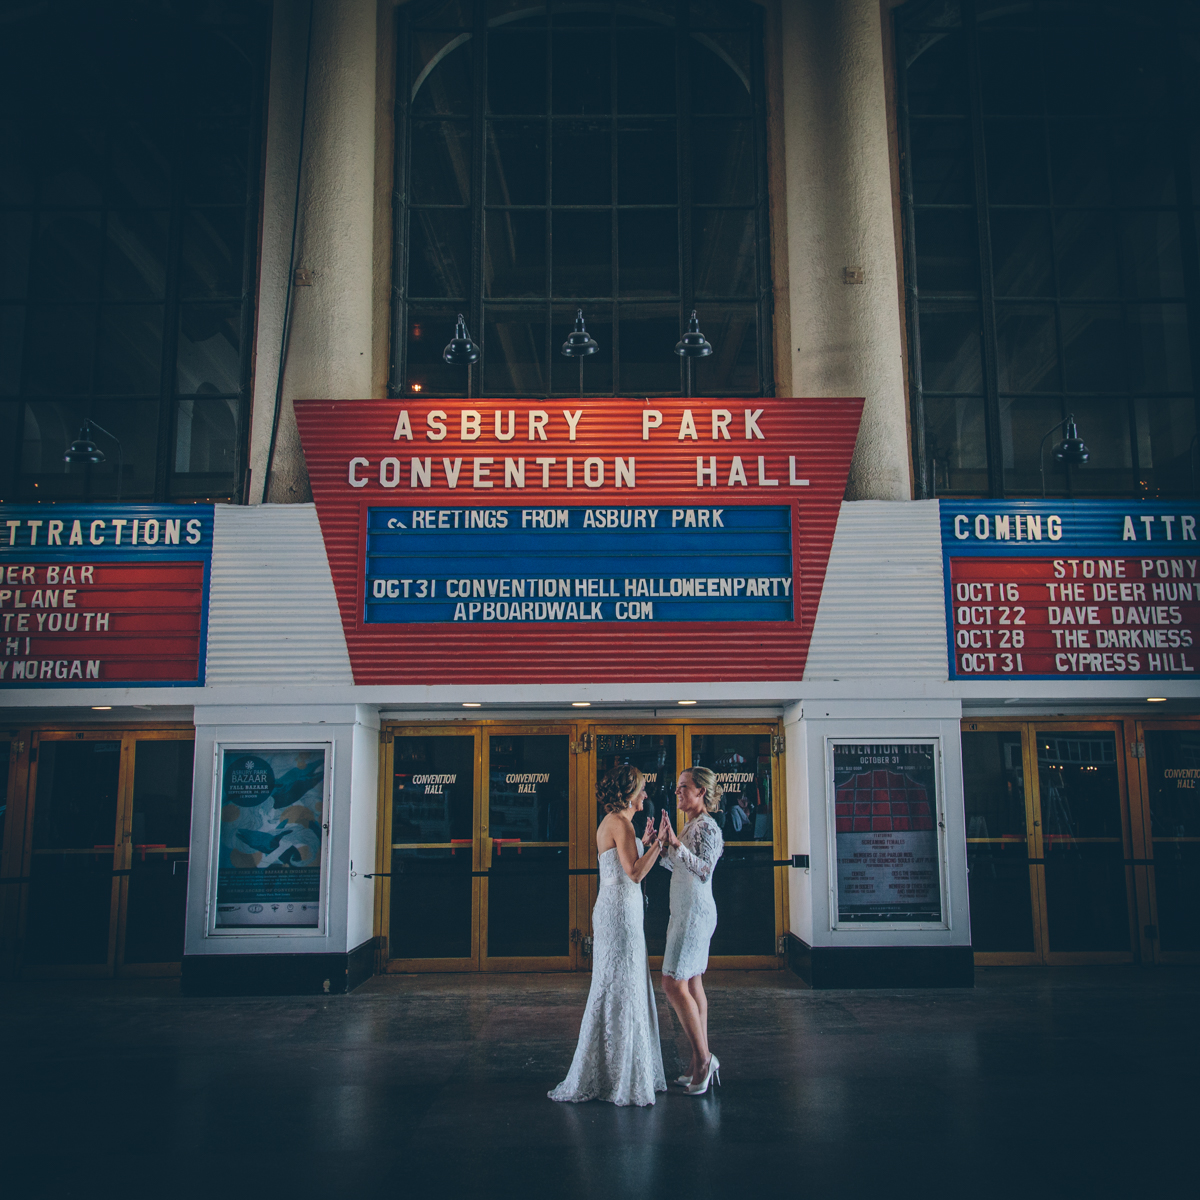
point(618, 1057)
point(691, 858)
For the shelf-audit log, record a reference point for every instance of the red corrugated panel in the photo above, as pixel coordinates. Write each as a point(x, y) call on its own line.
point(819, 433)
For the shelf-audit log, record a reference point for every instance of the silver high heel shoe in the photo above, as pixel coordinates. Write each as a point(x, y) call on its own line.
point(713, 1073)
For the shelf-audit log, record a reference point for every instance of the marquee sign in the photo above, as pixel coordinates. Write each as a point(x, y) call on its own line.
point(666, 539)
point(1052, 589)
point(103, 594)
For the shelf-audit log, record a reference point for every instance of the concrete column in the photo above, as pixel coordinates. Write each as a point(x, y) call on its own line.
point(329, 353)
point(846, 338)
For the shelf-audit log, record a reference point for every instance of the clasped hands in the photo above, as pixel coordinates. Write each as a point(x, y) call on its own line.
point(665, 836)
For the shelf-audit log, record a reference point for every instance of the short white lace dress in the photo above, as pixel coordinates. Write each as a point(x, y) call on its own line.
point(693, 910)
point(618, 1056)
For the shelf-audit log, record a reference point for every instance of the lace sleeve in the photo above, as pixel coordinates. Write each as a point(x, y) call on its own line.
point(699, 849)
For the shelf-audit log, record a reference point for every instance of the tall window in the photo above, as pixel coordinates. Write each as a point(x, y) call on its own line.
point(1051, 176)
point(609, 157)
point(128, 236)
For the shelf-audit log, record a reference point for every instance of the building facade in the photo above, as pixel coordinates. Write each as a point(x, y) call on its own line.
point(808, 389)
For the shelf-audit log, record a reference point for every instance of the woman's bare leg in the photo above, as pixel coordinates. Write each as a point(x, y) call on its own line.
point(680, 996)
point(696, 989)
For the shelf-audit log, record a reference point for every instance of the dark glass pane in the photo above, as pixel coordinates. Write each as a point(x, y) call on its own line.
point(50, 427)
point(514, 254)
point(449, 14)
point(60, 343)
point(135, 255)
point(1079, 65)
point(1144, 161)
point(947, 252)
point(645, 72)
point(956, 444)
point(1093, 348)
point(442, 75)
point(1166, 427)
point(1104, 425)
point(1079, 158)
point(161, 831)
point(425, 370)
point(439, 252)
point(70, 895)
point(69, 149)
point(1161, 358)
point(733, 365)
point(516, 162)
point(1016, 162)
point(1151, 263)
point(587, 15)
point(214, 165)
point(597, 368)
point(937, 72)
point(581, 74)
point(723, 170)
point(582, 162)
point(15, 236)
point(210, 263)
point(1172, 769)
point(1009, 72)
point(723, 252)
point(12, 343)
point(515, 352)
point(129, 361)
point(217, 78)
point(1026, 348)
point(209, 360)
point(648, 252)
point(1022, 261)
point(433, 790)
point(135, 423)
point(6, 751)
point(717, 14)
point(646, 163)
point(744, 888)
point(139, 165)
point(528, 894)
point(66, 256)
point(997, 850)
point(1086, 899)
point(1023, 422)
point(950, 348)
point(742, 764)
point(582, 253)
point(16, 174)
point(430, 911)
point(1138, 82)
point(648, 361)
point(206, 434)
point(941, 162)
point(440, 164)
point(1086, 244)
point(9, 412)
point(516, 71)
point(720, 81)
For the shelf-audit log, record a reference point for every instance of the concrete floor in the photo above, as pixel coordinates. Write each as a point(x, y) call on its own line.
point(1049, 1083)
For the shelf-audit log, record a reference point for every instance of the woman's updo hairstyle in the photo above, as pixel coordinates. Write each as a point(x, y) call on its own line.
point(702, 777)
point(620, 786)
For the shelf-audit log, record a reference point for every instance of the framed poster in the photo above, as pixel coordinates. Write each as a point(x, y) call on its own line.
point(887, 852)
point(272, 826)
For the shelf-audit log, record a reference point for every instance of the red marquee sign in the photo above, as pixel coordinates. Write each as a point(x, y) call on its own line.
point(535, 541)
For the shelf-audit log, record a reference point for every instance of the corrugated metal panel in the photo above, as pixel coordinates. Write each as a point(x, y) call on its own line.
point(882, 612)
point(273, 614)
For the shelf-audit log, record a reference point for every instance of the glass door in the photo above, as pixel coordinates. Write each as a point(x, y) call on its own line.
point(106, 830)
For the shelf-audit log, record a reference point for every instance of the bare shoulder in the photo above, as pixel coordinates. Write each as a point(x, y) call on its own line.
point(613, 831)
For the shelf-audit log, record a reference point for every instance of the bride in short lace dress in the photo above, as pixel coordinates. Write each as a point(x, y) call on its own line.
point(691, 858)
point(618, 1057)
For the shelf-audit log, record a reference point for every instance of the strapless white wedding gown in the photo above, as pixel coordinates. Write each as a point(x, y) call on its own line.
point(618, 1057)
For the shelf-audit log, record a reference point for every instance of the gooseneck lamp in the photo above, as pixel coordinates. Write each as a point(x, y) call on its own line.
point(692, 345)
point(460, 351)
point(84, 450)
point(1071, 451)
point(579, 344)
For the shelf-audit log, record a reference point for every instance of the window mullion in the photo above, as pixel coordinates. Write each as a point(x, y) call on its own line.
point(683, 158)
point(398, 358)
point(479, 154)
point(171, 316)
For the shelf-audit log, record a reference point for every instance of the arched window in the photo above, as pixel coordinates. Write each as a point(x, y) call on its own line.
point(1051, 177)
point(129, 139)
point(609, 157)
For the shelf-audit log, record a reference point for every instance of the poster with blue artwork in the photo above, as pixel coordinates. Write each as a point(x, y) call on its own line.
point(272, 819)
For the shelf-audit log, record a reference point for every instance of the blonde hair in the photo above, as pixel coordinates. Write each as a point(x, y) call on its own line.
point(702, 777)
point(619, 787)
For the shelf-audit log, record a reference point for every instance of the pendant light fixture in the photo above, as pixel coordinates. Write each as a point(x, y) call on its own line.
point(579, 344)
point(692, 345)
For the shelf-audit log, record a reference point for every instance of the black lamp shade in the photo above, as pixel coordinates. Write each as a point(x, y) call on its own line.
point(461, 351)
point(1071, 449)
point(83, 449)
point(693, 344)
point(579, 343)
